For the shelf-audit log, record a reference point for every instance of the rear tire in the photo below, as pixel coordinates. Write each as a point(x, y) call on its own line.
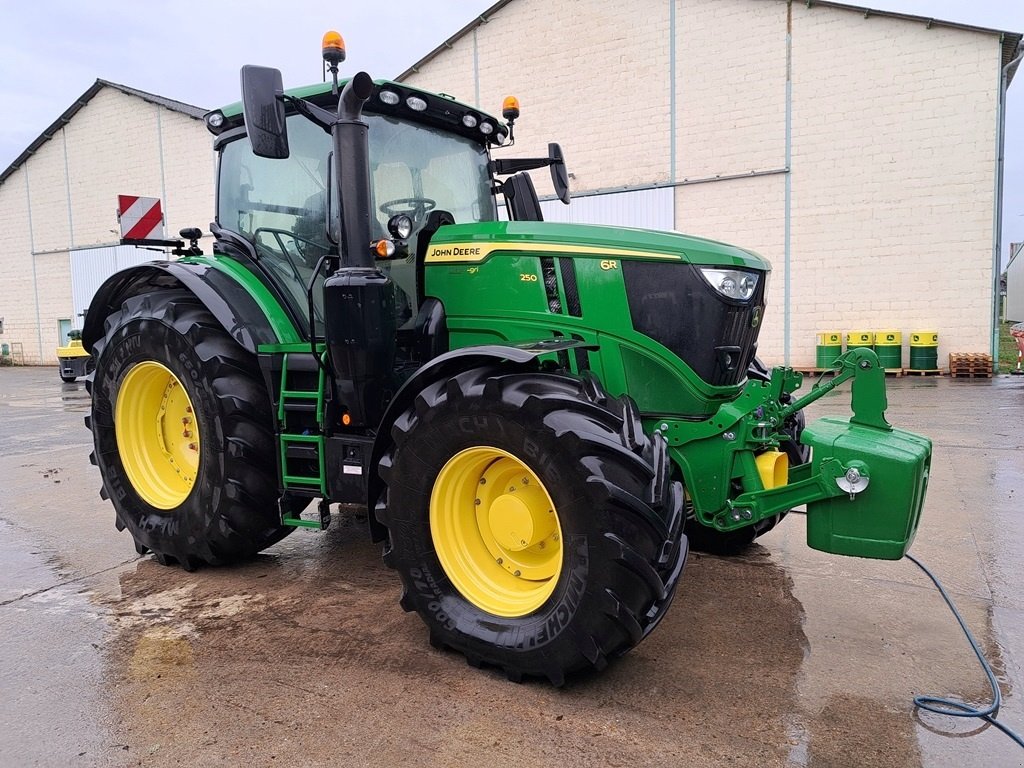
point(621, 548)
point(193, 475)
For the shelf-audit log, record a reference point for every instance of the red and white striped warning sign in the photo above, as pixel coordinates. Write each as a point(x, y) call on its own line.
point(141, 217)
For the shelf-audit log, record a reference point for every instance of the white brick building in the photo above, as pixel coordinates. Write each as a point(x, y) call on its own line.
point(858, 150)
point(58, 203)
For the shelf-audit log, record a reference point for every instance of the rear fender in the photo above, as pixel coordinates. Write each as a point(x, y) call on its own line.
point(227, 299)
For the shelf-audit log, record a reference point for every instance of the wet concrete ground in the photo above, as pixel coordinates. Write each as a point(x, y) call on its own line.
point(783, 657)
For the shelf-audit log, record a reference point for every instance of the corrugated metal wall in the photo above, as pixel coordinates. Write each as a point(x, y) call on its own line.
point(645, 208)
point(91, 266)
point(1013, 309)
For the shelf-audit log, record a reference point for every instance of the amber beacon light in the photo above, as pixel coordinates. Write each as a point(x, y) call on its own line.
point(333, 48)
point(510, 108)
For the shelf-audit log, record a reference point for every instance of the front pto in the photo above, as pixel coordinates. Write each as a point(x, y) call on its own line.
point(864, 486)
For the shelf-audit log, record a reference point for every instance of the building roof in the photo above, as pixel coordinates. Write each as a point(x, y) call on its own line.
point(1011, 41)
point(483, 18)
point(175, 106)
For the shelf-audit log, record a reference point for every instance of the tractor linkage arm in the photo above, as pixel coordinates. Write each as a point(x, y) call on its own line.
point(718, 454)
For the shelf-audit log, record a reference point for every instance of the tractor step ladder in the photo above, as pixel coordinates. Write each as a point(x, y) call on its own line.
point(301, 441)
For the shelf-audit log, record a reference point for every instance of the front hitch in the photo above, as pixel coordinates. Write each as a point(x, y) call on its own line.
point(864, 486)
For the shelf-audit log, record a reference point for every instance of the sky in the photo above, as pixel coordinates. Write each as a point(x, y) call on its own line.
point(52, 50)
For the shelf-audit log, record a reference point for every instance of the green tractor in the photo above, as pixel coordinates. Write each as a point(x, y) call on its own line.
point(537, 416)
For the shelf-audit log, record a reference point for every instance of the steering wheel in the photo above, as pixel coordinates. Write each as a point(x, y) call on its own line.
point(415, 207)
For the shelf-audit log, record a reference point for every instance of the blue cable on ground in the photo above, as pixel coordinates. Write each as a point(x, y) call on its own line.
point(953, 707)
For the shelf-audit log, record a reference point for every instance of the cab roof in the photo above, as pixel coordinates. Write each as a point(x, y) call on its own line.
point(441, 109)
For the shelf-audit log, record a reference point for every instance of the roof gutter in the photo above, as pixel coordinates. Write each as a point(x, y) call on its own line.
point(483, 18)
point(1005, 73)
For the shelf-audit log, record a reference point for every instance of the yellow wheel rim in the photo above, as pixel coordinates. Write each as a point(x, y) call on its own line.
point(496, 531)
point(157, 435)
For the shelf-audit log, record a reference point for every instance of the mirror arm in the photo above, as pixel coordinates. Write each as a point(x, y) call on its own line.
point(322, 117)
point(505, 165)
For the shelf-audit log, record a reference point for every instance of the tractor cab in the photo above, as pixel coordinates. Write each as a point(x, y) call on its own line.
point(429, 165)
point(281, 207)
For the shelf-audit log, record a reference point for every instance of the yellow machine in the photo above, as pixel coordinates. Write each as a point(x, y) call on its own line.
point(73, 360)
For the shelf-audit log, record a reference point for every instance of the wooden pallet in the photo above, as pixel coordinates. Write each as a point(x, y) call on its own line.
point(970, 365)
point(962, 374)
point(924, 372)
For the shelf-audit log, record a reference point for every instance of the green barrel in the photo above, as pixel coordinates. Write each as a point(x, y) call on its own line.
point(830, 346)
point(924, 350)
point(889, 348)
point(855, 339)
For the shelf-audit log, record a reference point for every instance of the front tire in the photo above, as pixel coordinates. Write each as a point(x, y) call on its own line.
point(531, 520)
point(181, 426)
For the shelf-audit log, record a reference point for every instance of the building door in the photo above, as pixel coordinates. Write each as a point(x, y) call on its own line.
point(645, 208)
point(63, 329)
point(91, 266)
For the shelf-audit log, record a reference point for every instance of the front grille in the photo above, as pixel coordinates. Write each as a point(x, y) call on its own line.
point(675, 306)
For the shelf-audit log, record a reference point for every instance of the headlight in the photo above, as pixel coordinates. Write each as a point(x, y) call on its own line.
point(416, 104)
point(469, 121)
point(486, 128)
point(388, 97)
point(400, 226)
point(732, 283)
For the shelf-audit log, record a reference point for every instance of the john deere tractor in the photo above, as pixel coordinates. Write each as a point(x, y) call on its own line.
point(537, 416)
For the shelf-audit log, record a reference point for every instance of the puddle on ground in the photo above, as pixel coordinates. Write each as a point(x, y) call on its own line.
point(57, 628)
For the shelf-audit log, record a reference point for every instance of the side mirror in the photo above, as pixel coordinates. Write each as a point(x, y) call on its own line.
point(559, 175)
point(264, 111)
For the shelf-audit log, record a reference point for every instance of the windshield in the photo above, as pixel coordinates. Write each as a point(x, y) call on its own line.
point(281, 205)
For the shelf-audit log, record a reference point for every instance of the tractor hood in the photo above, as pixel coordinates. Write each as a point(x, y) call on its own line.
point(475, 242)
